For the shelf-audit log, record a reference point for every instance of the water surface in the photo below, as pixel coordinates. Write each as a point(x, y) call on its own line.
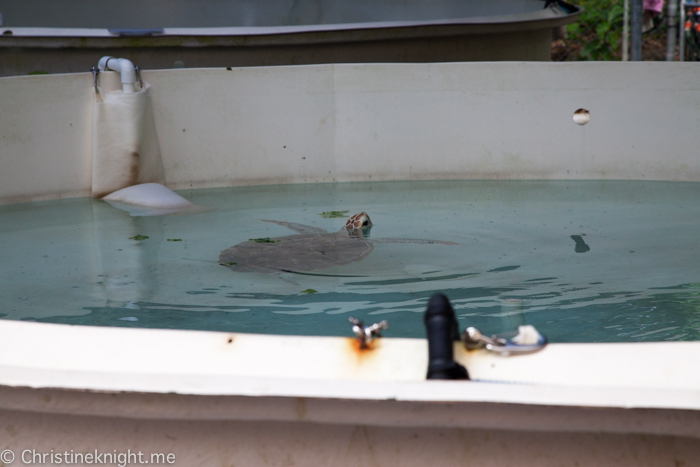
point(582, 261)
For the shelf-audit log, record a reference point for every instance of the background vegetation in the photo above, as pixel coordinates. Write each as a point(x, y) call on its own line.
point(599, 29)
point(598, 34)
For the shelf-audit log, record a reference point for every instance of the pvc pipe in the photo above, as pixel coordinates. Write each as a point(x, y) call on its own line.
point(636, 39)
point(123, 66)
point(626, 32)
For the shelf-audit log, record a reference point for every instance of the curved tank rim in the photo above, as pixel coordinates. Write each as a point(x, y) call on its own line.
point(543, 19)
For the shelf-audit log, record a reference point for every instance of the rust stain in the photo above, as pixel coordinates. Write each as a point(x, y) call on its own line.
point(461, 354)
point(134, 168)
point(300, 408)
point(134, 161)
point(363, 353)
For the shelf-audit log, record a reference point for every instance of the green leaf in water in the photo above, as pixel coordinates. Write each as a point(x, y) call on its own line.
point(264, 240)
point(174, 239)
point(309, 291)
point(332, 214)
point(227, 264)
point(138, 238)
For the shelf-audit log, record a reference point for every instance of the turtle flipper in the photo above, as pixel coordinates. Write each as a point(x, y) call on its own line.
point(412, 240)
point(301, 228)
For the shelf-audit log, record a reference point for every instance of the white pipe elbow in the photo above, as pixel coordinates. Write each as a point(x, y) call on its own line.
point(122, 66)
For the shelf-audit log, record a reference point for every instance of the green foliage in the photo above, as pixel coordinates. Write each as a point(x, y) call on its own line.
point(599, 28)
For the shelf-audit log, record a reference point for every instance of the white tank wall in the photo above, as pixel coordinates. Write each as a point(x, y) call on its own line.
point(220, 399)
point(326, 123)
point(45, 137)
point(632, 404)
point(209, 443)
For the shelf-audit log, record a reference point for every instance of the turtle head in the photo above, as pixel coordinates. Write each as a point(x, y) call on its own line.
point(358, 225)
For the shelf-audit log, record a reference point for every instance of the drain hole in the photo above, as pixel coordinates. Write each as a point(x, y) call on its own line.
point(582, 116)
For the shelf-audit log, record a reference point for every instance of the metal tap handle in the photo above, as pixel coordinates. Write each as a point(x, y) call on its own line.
point(474, 339)
point(138, 76)
point(358, 327)
point(365, 335)
point(95, 71)
point(377, 328)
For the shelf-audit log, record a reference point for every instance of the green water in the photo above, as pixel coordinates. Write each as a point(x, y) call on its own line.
point(581, 261)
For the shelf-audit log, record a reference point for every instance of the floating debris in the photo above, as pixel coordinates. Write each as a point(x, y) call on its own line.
point(581, 246)
point(333, 214)
point(138, 238)
point(309, 291)
point(174, 239)
point(264, 240)
point(227, 264)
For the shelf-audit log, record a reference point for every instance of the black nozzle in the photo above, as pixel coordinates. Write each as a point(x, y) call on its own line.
point(443, 330)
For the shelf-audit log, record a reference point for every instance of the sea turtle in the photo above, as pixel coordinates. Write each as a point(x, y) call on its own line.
point(311, 248)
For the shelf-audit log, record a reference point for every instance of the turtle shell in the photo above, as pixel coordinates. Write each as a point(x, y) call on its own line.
point(302, 252)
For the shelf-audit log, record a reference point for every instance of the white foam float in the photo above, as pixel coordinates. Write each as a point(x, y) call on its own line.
point(151, 199)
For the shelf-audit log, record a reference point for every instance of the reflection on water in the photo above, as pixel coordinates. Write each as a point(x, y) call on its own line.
point(663, 316)
point(72, 261)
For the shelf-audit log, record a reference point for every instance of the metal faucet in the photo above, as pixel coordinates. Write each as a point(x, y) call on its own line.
point(365, 335)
